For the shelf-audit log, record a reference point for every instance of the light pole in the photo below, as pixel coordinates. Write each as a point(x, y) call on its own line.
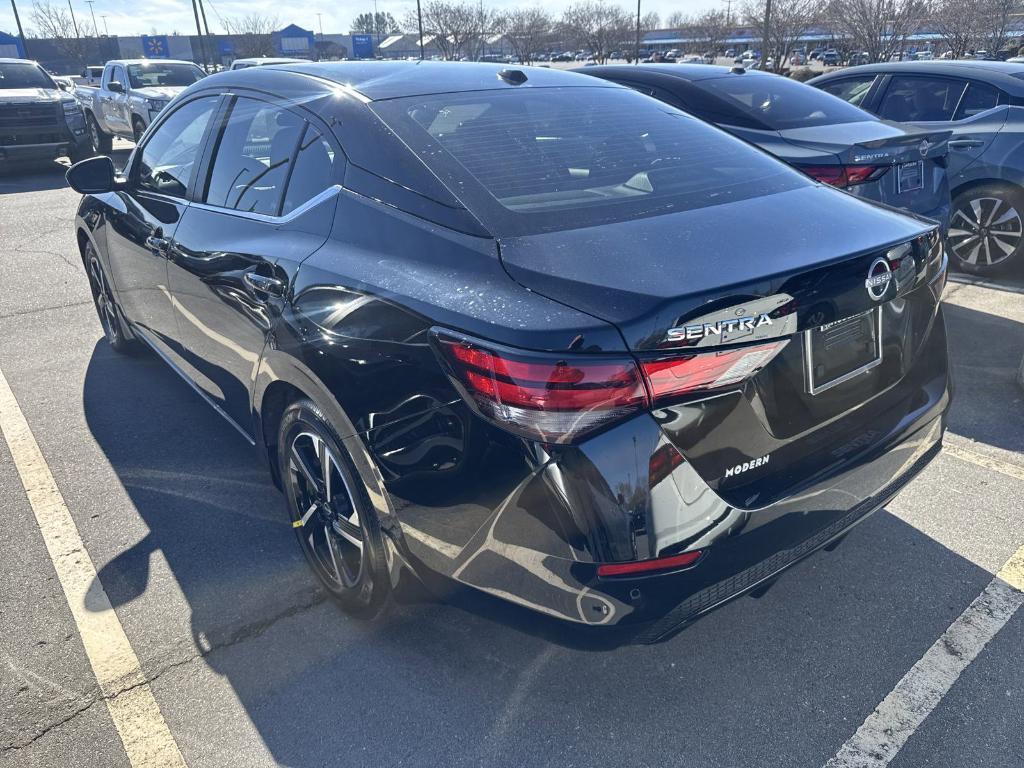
point(106, 29)
point(74, 21)
point(320, 19)
point(636, 52)
point(21, 32)
point(419, 17)
point(764, 34)
point(92, 10)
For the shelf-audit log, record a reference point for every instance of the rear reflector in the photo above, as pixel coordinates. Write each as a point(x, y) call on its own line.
point(709, 370)
point(845, 175)
point(647, 566)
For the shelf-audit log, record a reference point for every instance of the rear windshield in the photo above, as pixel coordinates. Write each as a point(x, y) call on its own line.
point(539, 159)
point(150, 75)
point(23, 76)
point(780, 103)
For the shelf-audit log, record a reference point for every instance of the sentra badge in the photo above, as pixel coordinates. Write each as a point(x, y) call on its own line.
point(690, 332)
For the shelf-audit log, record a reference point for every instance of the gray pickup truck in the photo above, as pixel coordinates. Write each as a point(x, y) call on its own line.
point(129, 96)
point(38, 121)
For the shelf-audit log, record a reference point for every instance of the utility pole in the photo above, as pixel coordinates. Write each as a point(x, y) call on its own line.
point(21, 32)
point(106, 29)
point(74, 21)
point(213, 43)
point(92, 11)
point(199, 29)
point(728, 12)
point(320, 18)
point(636, 53)
point(764, 33)
point(419, 17)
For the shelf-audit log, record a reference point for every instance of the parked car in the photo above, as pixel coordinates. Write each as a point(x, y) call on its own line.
point(831, 58)
point(39, 121)
point(825, 137)
point(263, 61)
point(91, 75)
point(473, 315)
point(980, 102)
point(131, 93)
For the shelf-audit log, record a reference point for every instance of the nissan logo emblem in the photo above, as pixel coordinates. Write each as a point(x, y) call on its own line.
point(879, 277)
point(924, 147)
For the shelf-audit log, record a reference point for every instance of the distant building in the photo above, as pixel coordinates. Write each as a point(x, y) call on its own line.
point(10, 47)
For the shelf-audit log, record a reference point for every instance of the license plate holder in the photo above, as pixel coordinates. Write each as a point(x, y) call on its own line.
point(910, 176)
point(837, 352)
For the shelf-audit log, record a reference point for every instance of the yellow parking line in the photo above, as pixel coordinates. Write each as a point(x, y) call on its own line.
point(898, 716)
point(135, 712)
point(966, 454)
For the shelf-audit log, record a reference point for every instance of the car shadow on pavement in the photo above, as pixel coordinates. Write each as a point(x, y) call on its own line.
point(777, 681)
point(985, 353)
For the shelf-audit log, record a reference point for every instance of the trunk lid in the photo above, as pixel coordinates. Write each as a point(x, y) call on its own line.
point(769, 268)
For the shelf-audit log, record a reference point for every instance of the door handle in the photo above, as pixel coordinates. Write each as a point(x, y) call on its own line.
point(966, 143)
point(158, 245)
point(261, 285)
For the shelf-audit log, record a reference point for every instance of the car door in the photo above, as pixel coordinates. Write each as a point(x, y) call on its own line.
point(113, 103)
point(264, 204)
point(143, 217)
point(946, 103)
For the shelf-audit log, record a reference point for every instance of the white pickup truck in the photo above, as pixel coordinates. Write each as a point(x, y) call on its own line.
point(130, 94)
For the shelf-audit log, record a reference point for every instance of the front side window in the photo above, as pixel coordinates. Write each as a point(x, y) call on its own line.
point(169, 155)
point(155, 74)
point(850, 89)
point(556, 158)
point(253, 157)
point(17, 75)
point(921, 99)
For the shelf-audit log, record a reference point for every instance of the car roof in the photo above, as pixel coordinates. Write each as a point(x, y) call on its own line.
point(1007, 75)
point(376, 80)
point(690, 72)
point(151, 61)
point(269, 60)
point(18, 61)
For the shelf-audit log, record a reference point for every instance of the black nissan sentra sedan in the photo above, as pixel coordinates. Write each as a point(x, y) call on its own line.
point(529, 330)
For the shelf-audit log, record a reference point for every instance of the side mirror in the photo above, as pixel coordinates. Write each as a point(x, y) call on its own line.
point(115, 86)
point(92, 176)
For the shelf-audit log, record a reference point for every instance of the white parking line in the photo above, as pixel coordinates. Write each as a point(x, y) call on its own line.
point(887, 729)
point(135, 712)
point(966, 454)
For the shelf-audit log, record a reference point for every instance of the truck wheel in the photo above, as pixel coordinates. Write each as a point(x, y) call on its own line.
point(102, 143)
point(138, 128)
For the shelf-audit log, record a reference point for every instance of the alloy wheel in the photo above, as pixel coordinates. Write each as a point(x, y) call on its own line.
point(104, 302)
point(94, 134)
point(985, 231)
point(328, 519)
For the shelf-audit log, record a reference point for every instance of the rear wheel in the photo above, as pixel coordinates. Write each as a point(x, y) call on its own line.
point(986, 229)
point(336, 526)
point(102, 143)
point(106, 306)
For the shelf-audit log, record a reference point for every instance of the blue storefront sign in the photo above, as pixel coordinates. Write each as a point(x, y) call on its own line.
point(156, 47)
point(362, 46)
point(10, 47)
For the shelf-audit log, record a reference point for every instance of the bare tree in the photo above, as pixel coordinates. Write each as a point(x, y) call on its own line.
point(597, 26)
point(525, 29)
point(678, 20)
point(995, 17)
point(650, 21)
point(55, 23)
point(877, 27)
point(380, 24)
point(451, 25)
point(252, 35)
point(788, 21)
point(708, 31)
point(958, 22)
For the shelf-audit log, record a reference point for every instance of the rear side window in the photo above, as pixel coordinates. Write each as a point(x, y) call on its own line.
point(557, 158)
point(313, 172)
point(781, 103)
point(170, 153)
point(979, 97)
point(253, 157)
point(921, 99)
point(850, 89)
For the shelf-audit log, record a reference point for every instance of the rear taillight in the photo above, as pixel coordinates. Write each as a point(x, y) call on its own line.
point(556, 398)
point(845, 175)
point(639, 567)
point(677, 376)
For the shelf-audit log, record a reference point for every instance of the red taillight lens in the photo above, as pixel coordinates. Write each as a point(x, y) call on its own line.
point(709, 370)
point(553, 398)
point(647, 566)
point(557, 398)
point(845, 175)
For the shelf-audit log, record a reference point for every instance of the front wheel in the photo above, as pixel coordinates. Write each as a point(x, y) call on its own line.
point(336, 526)
point(106, 306)
point(138, 128)
point(986, 228)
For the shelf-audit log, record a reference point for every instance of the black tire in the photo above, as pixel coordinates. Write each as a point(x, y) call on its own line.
point(986, 229)
point(110, 315)
point(138, 128)
point(334, 522)
point(102, 143)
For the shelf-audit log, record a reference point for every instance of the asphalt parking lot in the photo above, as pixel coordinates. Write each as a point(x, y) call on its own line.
point(251, 666)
